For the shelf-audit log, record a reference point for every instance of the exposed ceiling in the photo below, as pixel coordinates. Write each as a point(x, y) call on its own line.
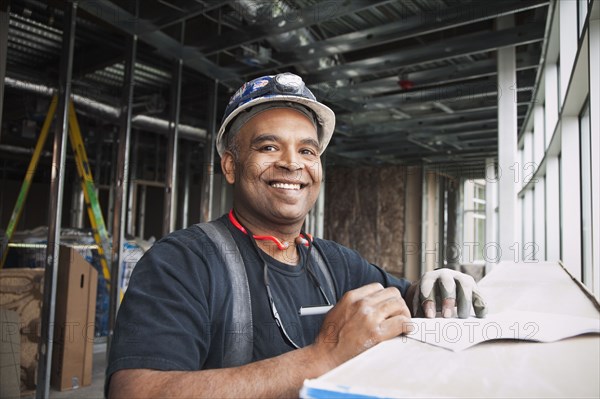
point(411, 81)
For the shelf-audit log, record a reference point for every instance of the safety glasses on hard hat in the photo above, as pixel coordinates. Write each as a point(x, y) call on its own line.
point(286, 84)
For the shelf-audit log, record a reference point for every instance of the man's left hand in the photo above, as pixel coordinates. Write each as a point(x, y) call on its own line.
point(443, 290)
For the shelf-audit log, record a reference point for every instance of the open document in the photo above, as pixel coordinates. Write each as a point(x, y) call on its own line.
point(539, 339)
point(459, 334)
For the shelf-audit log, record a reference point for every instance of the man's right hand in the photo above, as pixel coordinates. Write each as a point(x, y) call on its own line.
point(363, 318)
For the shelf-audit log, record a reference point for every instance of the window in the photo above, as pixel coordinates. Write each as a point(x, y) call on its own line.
point(479, 197)
point(558, 85)
point(479, 219)
point(582, 8)
point(474, 221)
point(560, 201)
point(586, 195)
point(544, 255)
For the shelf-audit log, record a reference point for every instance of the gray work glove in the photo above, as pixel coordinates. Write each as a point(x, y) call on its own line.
point(442, 290)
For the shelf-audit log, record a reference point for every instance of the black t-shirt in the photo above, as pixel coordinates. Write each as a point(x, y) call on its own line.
point(177, 309)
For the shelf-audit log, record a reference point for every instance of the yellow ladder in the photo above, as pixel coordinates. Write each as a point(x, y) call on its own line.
point(87, 184)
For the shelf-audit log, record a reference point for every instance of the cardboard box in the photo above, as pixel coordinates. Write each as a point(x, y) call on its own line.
point(21, 291)
point(10, 355)
point(74, 321)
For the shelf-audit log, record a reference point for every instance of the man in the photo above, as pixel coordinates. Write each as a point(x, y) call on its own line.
point(173, 336)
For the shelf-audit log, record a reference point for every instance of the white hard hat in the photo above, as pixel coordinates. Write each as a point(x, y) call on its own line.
point(284, 87)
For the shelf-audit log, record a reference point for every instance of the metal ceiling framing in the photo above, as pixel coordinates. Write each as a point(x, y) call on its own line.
point(464, 45)
point(286, 22)
point(410, 27)
point(410, 81)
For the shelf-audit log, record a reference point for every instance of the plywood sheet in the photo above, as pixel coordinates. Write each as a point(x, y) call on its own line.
point(364, 210)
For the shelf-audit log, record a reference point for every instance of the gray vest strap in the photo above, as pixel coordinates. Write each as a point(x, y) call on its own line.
point(325, 270)
point(240, 337)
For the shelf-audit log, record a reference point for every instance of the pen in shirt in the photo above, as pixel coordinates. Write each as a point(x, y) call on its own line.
point(314, 310)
